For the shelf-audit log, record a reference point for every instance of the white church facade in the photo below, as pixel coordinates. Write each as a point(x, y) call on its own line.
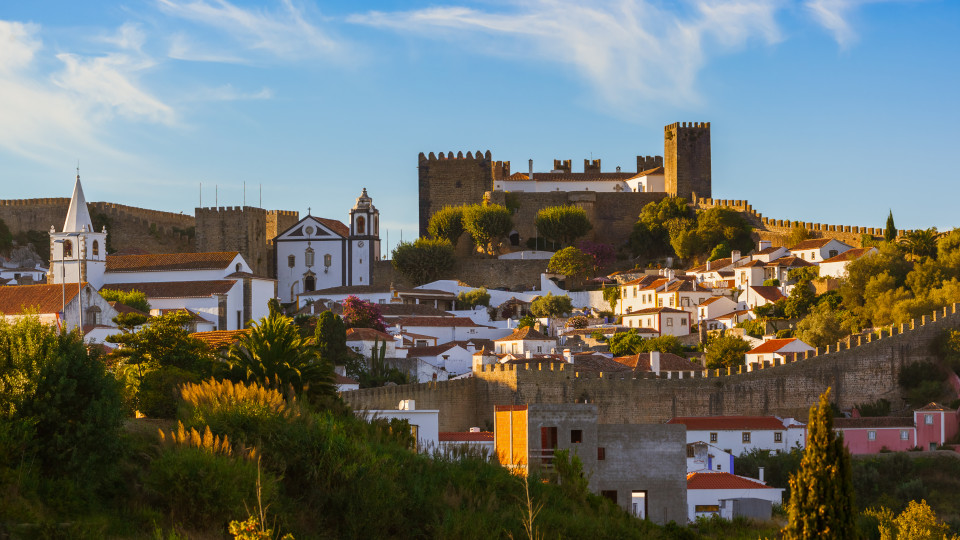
point(318, 253)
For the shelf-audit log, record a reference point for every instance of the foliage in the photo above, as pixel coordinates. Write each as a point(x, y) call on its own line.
point(726, 351)
point(274, 354)
point(527, 321)
point(423, 260)
point(771, 283)
point(602, 254)
point(922, 382)
point(798, 234)
point(358, 313)
point(754, 327)
point(718, 225)
point(330, 338)
point(487, 224)
point(625, 343)
point(917, 522)
point(921, 243)
point(880, 407)
point(447, 224)
point(720, 251)
point(6, 238)
point(572, 262)
point(578, 322)
point(821, 492)
point(611, 293)
point(801, 275)
point(800, 301)
point(562, 224)
point(890, 231)
point(777, 468)
point(473, 298)
point(253, 529)
point(651, 234)
point(551, 306)
point(380, 373)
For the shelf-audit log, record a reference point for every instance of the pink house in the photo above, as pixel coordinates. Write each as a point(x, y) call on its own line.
point(930, 427)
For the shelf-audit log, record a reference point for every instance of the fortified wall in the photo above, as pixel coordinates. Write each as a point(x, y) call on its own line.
point(247, 229)
point(490, 273)
point(860, 369)
point(131, 227)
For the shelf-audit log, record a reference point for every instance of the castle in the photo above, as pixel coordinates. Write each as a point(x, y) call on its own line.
point(611, 199)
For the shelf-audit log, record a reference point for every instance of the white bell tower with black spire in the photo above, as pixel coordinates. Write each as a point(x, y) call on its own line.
point(78, 253)
point(364, 241)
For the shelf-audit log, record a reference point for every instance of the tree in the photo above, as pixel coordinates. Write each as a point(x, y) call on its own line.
point(719, 225)
point(473, 298)
point(920, 244)
point(890, 231)
point(821, 327)
point(487, 224)
point(134, 298)
point(821, 492)
point(551, 306)
point(726, 351)
point(527, 320)
point(579, 322)
point(358, 313)
point(423, 260)
point(602, 254)
point(798, 234)
point(917, 522)
point(562, 224)
point(572, 262)
point(625, 343)
point(800, 301)
point(611, 293)
point(651, 234)
point(274, 355)
point(330, 338)
point(447, 224)
point(664, 344)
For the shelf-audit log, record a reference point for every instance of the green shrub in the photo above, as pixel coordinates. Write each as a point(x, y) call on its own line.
point(880, 407)
point(159, 391)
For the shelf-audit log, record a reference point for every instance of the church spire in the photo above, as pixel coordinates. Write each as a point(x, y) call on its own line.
point(78, 217)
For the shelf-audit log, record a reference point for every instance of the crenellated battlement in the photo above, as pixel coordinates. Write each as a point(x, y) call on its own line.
point(440, 156)
point(687, 125)
point(645, 163)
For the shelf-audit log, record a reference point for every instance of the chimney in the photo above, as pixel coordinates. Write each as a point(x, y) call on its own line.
point(760, 475)
point(531, 169)
point(528, 354)
point(763, 244)
point(568, 356)
point(734, 256)
point(708, 265)
point(471, 348)
point(408, 405)
point(655, 362)
point(474, 430)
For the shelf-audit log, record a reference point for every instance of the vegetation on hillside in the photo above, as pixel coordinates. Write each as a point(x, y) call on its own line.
point(423, 260)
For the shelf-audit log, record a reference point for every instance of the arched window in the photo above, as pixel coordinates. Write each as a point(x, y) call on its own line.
point(309, 283)
point(361, 225)
point(96, 248)
point(238, 267)
point(67, 248)
point(291, 260)
point(308, 257)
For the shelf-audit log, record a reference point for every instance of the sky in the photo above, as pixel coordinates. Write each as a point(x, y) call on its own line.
point(833, 111)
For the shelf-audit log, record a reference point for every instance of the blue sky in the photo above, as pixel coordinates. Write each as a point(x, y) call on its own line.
point(821, 110)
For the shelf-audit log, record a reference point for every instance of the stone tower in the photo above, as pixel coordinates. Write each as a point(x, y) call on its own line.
point(364, 240)
point(686, 151)
point(247, 229)
point(446, 180)
point(78, 253)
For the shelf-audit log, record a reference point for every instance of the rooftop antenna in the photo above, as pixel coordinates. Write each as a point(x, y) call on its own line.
point(216, 195)
point(244, 192)
point(78, 169)
point(201, 194)
point(261, 195)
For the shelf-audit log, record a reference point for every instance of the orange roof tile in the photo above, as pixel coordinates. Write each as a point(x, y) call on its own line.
point(367, 334)
point(436, 321)
point(668, 362)
point(46, 298)
point(722, 480)
point(156, 262)
point(768, 292)
point(221, 339)
point(177, 289)
point(771, 346)
point(850, 255)
point(525, 332)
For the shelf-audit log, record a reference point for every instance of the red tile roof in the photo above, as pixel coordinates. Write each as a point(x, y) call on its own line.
point(668, 362)
point(789, 262)
point(527, 333)
point(46, 298)
point(334, 225)
point(771, 346)
point(768, 292)
point(597, 363)
point(220, 339)
point(714, 265)
point(177, 289)
point(437, 321)
point(367, 334)
point(156, 262)
point(466, 436)
point(850, 255)
point(340, 379)
point(811, 243)
point(933, 406)
point(724, 423)
point(722, 480)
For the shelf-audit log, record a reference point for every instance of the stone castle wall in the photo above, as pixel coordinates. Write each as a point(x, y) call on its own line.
point(488, 273)
point(247, 229)
point(686, 159)
point(446, 179)
point(858, 369)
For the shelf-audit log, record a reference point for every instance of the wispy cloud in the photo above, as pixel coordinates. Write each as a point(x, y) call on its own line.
point(285, 33)
point(228, 93)
point(626, 50)
point(834, 15)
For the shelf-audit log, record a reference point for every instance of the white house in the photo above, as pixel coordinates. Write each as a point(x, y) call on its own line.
point(739, 434)
point(382, 295)
point(424, 423)
point(473, 440)
point(524, 340)
point(662, 320)
point(716, 306)
point(775, 349)
point(34, 274)
point(456, 357)
point(766, 252)
point(449, 328)
point(760, 295)
point(64, 305)
point(318, 253)
point(704, 457)
point(363, 340)
point(817, 250)
point(712, 493)
point(837, 266)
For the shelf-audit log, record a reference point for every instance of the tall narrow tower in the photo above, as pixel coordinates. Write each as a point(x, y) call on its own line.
point(77, 253)
point(364, 241)
point(686, 156)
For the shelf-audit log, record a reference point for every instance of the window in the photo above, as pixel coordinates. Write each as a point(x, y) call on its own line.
point(96, 248)
point(638, 504)
point(291, 261)
point(683, 322)
point(778, 437)
point(928, 419)
point(576, 435)
point(745, 436)
point(308, 257)
point(309, 283)
point(92, 316)
point(713, 437)
point(904, 434)
point(871, 435)
point(381, 301)
point(602, 454)
point(539, 349)
point(67, 248)
point(361, 225)
point(671, 301)
point(239, 319)
point(238, 267)
point(659, 302)
point(834, 253)
point(669, 321)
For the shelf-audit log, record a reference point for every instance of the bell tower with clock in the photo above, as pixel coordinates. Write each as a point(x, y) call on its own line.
point(364, 240)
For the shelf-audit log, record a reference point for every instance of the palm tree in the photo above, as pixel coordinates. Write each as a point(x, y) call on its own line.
point(921, 243)
point(274, 354)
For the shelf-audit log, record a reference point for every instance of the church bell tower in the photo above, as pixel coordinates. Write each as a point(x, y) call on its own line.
point(78, 253)
point(364, 240)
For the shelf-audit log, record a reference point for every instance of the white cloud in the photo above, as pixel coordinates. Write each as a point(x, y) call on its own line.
point(286, 33)
point(184, 48)
point(627, 50)
point(17, 45)
point(834, 15)
point(229, 93)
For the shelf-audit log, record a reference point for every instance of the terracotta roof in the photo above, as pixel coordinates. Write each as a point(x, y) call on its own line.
point(466, 436)
point(157, 262)
point(242, 275)
point(686, 285)
point(668, 362)
point(47, 298)
point(795, 262)
point(933, 406)
point(649, 310)
point(597, 363)
point(334, 225)
point(177, 289)
point(437, 321)
point(771, 346)
point(867, 422)
point(220, 339)
point(406, 334)
point(340, 379)
point(849, 255)
point(655, 170)
point(123, 308)
point(768, 250)
point(728, 423)
point(641, 281)
point(605, 330)
point(710, 300)
point(436, 350)
point(526, 332)
point(768, 292)
point(367, 334)
point(812, 243)
point(722, 480)
point(733, 314)
point(537, 359)
point(373, 289)
point(714, 265)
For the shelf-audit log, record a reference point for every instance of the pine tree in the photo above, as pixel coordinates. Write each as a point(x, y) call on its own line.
point(890, 232)
point(821, 492)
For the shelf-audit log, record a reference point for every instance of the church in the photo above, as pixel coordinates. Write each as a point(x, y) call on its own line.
point(319, 253)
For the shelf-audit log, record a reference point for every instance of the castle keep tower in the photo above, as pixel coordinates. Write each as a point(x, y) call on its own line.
point(247, 229)
point(448, 180)
point(686, 151)
point(77, 252)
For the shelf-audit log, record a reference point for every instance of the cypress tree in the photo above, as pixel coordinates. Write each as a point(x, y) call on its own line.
point(890, 233)
point(821, 492)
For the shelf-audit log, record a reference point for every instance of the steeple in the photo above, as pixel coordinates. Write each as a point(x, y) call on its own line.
point(78, 217)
